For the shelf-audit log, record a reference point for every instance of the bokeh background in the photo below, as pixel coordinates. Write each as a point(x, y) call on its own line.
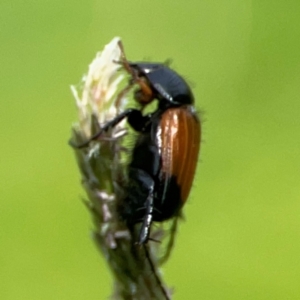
point(241, 237)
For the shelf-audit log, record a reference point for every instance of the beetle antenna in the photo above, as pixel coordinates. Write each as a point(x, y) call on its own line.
point(124, 61)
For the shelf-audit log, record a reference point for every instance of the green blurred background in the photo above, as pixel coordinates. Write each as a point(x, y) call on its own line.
point(241, 238)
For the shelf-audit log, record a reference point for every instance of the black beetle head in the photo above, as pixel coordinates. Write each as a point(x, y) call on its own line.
point(167, 84)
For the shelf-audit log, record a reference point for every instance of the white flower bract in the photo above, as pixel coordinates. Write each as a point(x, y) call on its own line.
point(97, 92)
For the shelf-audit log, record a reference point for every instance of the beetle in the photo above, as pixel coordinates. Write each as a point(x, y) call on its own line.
point(164, 156)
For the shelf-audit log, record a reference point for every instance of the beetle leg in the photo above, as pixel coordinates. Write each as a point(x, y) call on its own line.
point(124, 60)
point(110, 124)
point(154, 209)
point(123, 93)
point(135, 118)
point(145, 229)
point(137, 121)
point(170, 243)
